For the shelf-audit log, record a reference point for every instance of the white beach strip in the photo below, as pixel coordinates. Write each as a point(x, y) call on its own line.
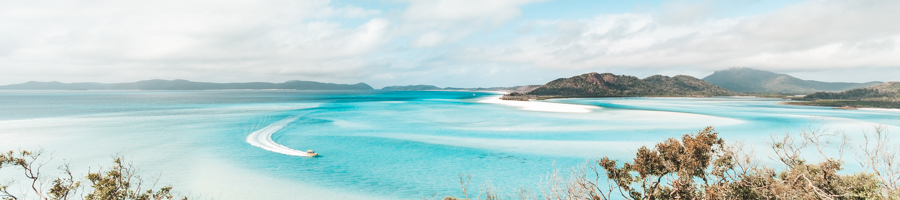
point(262, 138)
point(880, 109)
point(541, 106)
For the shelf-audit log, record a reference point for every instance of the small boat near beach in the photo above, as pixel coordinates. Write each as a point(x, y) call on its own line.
point(312, 153)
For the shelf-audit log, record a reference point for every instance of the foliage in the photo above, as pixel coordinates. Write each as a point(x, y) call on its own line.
point(671, 169)
point(119, 182)
point(702, 166)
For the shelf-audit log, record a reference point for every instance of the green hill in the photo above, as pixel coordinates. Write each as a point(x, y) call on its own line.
point(157, 84)
point(889, 91)
point(611, 85)
point(886, 95)
point(752, 80)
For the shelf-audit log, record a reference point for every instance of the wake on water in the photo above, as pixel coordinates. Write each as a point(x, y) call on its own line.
point(262, 138)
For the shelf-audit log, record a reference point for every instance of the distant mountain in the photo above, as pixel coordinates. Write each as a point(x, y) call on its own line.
point(752, 80)
point(611, 85)
point(412, 88)
point(889, 91)
point(886, 95)
point(521, 89)
point(157, 84)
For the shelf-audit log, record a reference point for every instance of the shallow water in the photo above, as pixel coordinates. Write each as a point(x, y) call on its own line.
point(374, 144)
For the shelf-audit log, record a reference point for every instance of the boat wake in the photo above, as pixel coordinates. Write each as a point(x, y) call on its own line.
point(262, 138)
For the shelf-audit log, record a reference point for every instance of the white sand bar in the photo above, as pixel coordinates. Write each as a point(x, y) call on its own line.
point(881, 109)
point(541, 106)
point(262, 138)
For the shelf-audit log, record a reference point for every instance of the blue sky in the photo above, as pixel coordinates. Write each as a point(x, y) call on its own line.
point(458, 43)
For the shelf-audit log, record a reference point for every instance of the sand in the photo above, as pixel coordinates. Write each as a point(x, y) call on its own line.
point(540, 105)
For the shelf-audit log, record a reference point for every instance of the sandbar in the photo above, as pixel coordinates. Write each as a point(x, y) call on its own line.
point(540, 106)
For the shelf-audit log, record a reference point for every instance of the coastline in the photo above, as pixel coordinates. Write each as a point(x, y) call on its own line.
point(881, 109)
point(540, 106)
point(846, 104)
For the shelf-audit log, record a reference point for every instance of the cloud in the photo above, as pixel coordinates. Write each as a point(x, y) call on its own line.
point(427, 40)
point(685, 12)
point(813, 35)
point(129, 39)
point(348, 11)
point(163, 37)
point(437, 22)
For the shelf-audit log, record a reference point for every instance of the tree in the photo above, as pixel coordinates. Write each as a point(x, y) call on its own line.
point(701, 166)
point(119, 182)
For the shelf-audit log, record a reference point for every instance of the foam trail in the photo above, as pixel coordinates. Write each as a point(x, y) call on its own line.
point(262, 138)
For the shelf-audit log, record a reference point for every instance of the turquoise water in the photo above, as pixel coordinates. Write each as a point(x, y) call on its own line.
point(374, 144)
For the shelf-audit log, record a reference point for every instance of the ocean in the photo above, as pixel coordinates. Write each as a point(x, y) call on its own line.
point(376, 144)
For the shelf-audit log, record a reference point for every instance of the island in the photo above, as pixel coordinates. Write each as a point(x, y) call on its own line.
point(610, 85)
point(178, 84)
point(765, 83)
point(886, 95)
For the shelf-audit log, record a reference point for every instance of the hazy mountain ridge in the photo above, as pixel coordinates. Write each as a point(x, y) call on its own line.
point(886, 95)
point(178, 84)
point(610, 85)
point(521, 89)
point(412, 88)
point(889, 91)
point(752, 80)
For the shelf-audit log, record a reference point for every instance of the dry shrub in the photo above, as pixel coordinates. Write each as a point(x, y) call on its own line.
point(701, 166)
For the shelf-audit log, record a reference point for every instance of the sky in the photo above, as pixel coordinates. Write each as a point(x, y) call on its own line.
point(447, 43)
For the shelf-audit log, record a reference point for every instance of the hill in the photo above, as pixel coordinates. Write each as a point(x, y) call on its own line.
point(412, 88)
point(886, 95)
point(157, 84)
point(752, 80)
point(889, 91)
point(611, 85)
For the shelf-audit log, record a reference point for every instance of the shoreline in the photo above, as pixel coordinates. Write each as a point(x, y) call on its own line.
point(845, 104)
point(880, 109)
point(539, 105)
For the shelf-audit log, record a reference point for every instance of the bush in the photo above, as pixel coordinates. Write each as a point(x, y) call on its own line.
point(702, 166)
point(119, 182)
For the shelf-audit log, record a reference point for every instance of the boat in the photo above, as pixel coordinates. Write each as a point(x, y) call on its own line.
point(311, 153)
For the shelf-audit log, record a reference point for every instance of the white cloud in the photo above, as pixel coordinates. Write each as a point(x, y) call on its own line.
point(824, 34)
point(437, 22)
point(136, 39)
point(428, 40)
point(348, 11)
point(685, 12)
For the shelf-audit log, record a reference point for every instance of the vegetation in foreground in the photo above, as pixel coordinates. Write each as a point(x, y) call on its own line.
point(703, 166)
point(696, 166)
point(118, 182)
